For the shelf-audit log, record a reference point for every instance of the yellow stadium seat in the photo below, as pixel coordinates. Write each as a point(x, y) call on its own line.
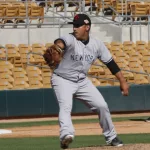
point(2, 53)
point(35, 84)
point(2, 13)
point(34, 76)
point(48, 45)
point(11, 14)
point(95, 81)
point(135, 59)
point(139, 9)
point(6, 64)
point(46, 82)
point(129, 44)
point(136, 54)
point(33, 69)
point(25, 59)
point(4, 69)
point(13, 53)
point(37, 11)
point(96, 70)
point(22, 13)
point(140, 79)
point(20, 84)
point(121, 60)
point(7, 77)
point(5, 85)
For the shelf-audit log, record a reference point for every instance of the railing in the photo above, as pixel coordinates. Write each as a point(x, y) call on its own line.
point(114, 80)
point(59, 24)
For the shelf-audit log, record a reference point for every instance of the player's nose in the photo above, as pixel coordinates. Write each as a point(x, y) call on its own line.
point(74, 29)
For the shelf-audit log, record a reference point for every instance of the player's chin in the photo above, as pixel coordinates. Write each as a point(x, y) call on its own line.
point(78, 37)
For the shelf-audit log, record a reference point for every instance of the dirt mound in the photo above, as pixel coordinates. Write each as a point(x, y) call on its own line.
point(125, 147)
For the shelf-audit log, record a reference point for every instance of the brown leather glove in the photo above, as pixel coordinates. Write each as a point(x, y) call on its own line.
point(53, 56)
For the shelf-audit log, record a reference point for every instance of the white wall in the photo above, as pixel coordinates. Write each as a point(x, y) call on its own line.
point(44, 35)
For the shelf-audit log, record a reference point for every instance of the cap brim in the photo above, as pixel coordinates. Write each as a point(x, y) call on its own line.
point(70, 22)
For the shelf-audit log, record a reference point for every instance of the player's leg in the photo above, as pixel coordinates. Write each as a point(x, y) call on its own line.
point(89, 94)
point(64, 91)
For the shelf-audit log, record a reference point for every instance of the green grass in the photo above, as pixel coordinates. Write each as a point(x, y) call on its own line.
point(77, 121)
point(52, 143)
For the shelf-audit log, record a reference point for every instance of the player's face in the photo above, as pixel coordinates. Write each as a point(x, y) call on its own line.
point(81, 32)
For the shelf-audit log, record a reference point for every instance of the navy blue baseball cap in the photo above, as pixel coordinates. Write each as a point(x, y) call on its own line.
point(80, 20)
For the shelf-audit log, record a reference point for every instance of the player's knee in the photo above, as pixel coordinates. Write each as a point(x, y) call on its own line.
point(102, 106)
point(66, 108)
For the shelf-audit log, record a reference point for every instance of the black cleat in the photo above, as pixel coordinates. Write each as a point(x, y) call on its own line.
point(116, 142)
point(147, 120)
point(64, 144)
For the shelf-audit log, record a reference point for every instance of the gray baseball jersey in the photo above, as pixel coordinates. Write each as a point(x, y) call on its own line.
point(69, 79)
point(78, 57)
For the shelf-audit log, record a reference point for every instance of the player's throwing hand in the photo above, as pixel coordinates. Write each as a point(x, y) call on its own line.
point(124, 88)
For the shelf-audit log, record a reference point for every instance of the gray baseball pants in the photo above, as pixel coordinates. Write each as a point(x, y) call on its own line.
point(88, 93)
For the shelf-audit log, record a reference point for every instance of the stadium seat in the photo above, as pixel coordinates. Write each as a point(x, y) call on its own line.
point(140, 79)
point(7, 77)
point(2, 14)
point(48, 45)
point(6, 64)
point(20, 84)
point(128, 44)
point(20, 76)
point(135, 59)
point(36, 13)
point(95, 81)
point(95, 70)
point(2, 53)
point(24, 48)
point(4, 69)
point(38, 48)
point(22, 13)
point(17, 4)
point(136, 54)
point(11, 13)
point(108, 74)
point(34, 84)
point(46, 82)
point(121, 8)
point(139, 9)
point(5, 85)
point(121, 60)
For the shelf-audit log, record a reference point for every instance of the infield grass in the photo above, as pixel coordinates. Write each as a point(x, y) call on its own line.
point(52, 143)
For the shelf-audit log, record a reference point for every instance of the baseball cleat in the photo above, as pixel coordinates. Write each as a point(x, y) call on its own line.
point(66, 141)
point(147, 120)
point(116, 142)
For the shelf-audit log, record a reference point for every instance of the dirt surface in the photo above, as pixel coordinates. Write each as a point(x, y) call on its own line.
point(125, 127)
point(125, 147)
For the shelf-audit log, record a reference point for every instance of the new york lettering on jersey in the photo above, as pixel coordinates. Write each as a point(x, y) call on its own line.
point(87, 58)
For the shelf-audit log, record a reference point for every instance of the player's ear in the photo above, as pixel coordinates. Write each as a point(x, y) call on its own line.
point(87, 28)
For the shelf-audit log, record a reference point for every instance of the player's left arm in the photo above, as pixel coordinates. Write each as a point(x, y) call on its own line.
point(106, 57)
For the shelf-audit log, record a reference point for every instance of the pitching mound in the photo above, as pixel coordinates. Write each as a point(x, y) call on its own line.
point(125, 147)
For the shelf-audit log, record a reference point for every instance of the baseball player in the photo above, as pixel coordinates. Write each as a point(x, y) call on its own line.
point(69, 79)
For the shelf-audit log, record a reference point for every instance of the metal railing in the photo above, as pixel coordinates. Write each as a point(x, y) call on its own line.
point(114, 80)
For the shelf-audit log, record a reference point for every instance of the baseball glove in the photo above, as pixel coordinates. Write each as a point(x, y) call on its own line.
point(53, 56)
